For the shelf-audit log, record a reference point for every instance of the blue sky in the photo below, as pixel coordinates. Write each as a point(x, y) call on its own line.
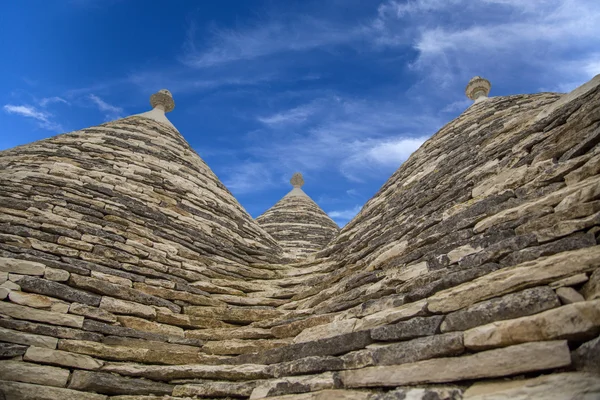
point(340, 90)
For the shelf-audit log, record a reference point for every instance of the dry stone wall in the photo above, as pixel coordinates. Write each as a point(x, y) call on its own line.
point(474, 273)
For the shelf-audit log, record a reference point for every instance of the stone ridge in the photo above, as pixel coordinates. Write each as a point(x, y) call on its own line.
point(127, 272)
point(298, 224)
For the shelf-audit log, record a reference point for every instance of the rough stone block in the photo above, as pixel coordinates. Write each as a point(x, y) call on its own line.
point(32, 373)
point(10, 336)
point(511, 360)
point(415, 327)
point(578, 321)
point(56, 275)
point(92, 312)
point(27, 391)
point(58, 290)
point(32, 314)
point(10, 350)
point(424, 348)
point(22, 267)
point(514, 305)
point(119, 306)
point(105, 383)
point(61, 358)
point(568, 295)
point(587, 356)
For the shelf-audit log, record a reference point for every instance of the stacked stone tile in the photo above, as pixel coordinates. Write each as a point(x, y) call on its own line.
point(472, 274)
point(298, 224)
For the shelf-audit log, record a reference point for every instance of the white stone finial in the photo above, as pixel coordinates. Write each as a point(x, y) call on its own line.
point(477, 88)
point(297, 181)
point(162, 100)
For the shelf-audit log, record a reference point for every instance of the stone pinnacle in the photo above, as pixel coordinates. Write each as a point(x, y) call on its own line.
point(478, 87)
point(297, 181)
point(163, 100)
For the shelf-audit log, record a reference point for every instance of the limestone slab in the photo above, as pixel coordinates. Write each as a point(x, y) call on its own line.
point(57, 275)
point(570, 385)
point(92, 312)
point(27, 391)
point(576, 321)
point(58, 290)
point(522, 276)
point(23, 267)
point(415, 327)
point(10, 350)
point(513, 305)
point(171, 372)
point(149, 326)
point(119, 306)
point(493, 363)
point(38, 301)
point(61, 358)
point(449, 344)
point(104, 383)
point(11, 336)
point(568, 295)
point(118, 353)
point(32, 373)
point(33, 314)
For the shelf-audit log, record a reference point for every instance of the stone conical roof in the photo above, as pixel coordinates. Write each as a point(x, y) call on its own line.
point(130, 191)
point(473, 274)
point(298, 224)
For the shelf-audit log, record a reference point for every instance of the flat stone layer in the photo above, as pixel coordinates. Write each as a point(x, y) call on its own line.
point(508, 361)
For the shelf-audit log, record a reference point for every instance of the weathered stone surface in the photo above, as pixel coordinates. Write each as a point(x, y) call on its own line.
point(325, 347)
point(57, 275)
point(171, 372)
point(22, 267)
point(233, 314)
point(338, 394)
point(295, 327)
point(568, 295)
point(570, 281)
point(291, 385)
point(514, 305)
point(9, 350)
point(32, 314)
point(58, 290)
point(118, 330)
point(587, 356)
point(234, 333)
point(570, 385)
point(148, 326)
point(415, 327)
point(119, 306)
point(113, 384)
point(493, 363)
point(119, 353)
point(449, 344)
point(10, 336)
point(591, 290)
point(392, 315)
point(27, 391)
point(92, 312)
point(119, 291)
point(308, 365)
point(532, 273)
point(49, 330)
point(236, 346)
point(38, 301)
point(429, 393)
point(216, 389)
point(32, 373)
point(331, 329)
point(61, 358)
point(578, 321)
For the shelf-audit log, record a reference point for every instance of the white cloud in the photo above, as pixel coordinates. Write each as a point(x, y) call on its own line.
point(110, 112)
point(266, 38)
point(345, 215)
point(43, 118)
point(248, 177)
point(49, 100)
point(292, 116)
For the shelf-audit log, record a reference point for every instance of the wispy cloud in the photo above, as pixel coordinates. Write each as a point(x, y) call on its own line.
point(43, 118)
point(247, 177)
point(50, 100)
point(341, 217)
point(292, 116)
point(264, 38)
point(110, 112)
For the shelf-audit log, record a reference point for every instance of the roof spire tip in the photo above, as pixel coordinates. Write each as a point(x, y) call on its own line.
point(297, 181)
point(162, 100)
point(477, 88)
